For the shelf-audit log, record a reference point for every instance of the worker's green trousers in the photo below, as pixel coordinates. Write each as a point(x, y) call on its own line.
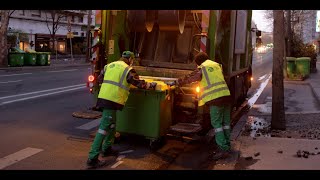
point(105, 135)
point(220, 120)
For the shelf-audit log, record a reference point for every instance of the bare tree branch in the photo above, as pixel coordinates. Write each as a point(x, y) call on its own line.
point(47, 23)
point(11, 12)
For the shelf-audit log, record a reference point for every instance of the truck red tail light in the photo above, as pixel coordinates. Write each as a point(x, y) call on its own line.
point(91, 78)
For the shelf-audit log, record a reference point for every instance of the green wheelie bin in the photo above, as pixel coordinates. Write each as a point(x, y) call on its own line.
point(147, 113)
point(30, 59)
point(303, 66)
point(291, 67)
point(16, 59)
point(47, 57)
point(41, 58)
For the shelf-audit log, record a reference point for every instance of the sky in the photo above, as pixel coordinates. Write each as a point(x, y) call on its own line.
point(262, 23)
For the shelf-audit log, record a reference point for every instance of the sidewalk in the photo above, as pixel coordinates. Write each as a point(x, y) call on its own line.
point(54, 64)
point(258, 148)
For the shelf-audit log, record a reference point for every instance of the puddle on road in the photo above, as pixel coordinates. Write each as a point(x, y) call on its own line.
point(257, 127)
point(263, 108)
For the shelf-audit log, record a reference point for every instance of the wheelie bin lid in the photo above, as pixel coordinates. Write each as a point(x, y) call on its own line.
point(15, 50)
point(304, 58)
point(291, 58)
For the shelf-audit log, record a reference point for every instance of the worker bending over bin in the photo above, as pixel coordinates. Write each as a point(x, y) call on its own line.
point(214, 93)
point(116, 79)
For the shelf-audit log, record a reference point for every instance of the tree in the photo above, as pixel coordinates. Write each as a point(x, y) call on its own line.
point(278, 113)
point(53, 20)
point(4, 23)
point(288, 34)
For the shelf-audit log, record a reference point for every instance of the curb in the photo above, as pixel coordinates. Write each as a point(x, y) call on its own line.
point(14, 69)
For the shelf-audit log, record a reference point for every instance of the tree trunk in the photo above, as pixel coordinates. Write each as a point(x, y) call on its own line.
point(4, 22)
point(88, 37)
point(278, 114)
point(289, 33)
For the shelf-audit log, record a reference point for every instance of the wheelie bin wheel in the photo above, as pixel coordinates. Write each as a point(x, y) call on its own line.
point(156, 144)
point(117, 138)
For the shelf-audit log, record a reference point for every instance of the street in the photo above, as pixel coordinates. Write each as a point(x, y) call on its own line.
point(39, 132)
point(36, 119)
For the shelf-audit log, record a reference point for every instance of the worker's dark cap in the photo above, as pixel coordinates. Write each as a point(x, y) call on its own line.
point(127, 54)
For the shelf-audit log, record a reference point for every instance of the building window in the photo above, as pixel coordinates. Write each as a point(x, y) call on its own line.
point(72, 18)
point(65, 18)
point(81, 19)
point(75, 33)
point(22, 12)
point(36, 13)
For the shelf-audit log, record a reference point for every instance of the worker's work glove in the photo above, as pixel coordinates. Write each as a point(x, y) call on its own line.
point(152, 85)
point(100, 78)
point(172, 83)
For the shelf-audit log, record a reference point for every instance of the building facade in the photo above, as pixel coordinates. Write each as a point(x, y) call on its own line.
point(306, 28)
point(36, 25)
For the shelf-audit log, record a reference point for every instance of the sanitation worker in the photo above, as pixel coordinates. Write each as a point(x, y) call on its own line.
point(214, 93)
point(116, 79)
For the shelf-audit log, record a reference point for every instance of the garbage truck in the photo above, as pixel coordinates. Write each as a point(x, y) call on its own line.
point(164, 43)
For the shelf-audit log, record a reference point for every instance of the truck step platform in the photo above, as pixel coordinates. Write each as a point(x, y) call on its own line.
point(186, 128)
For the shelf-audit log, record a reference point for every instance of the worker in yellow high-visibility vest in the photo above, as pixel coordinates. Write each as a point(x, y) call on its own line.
point(215, 93)
point(117, 77)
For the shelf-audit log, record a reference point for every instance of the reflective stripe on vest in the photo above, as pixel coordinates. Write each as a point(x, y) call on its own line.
point(208, 80)
point(212, 83)
point(121, 80)
point(213, 91)
point(115, 87)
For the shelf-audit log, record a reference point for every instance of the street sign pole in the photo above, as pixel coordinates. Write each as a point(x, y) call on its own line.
point(70, 34)
point(56, 46)
point(71, 49)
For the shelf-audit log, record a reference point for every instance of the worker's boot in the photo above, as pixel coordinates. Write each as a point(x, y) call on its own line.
point(95, 163)
point(219, 154)
point(110, 152)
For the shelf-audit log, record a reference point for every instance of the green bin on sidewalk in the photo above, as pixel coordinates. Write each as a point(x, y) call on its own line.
point(291, 67)
point(41, 58)
point(47, 57)
point(30, 59)
point(303, 66)
point(16, 59)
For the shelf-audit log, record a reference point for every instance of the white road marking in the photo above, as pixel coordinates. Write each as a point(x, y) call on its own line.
point(63, 70)
point(10, 82)
point(120, 158)
point(255, 97)
point(116, 164)
point(36, 92)
point(32, 97)
point(14, 74)
point(18, 156)
point(126, 152)
point(90, 125)
point(262, 77)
